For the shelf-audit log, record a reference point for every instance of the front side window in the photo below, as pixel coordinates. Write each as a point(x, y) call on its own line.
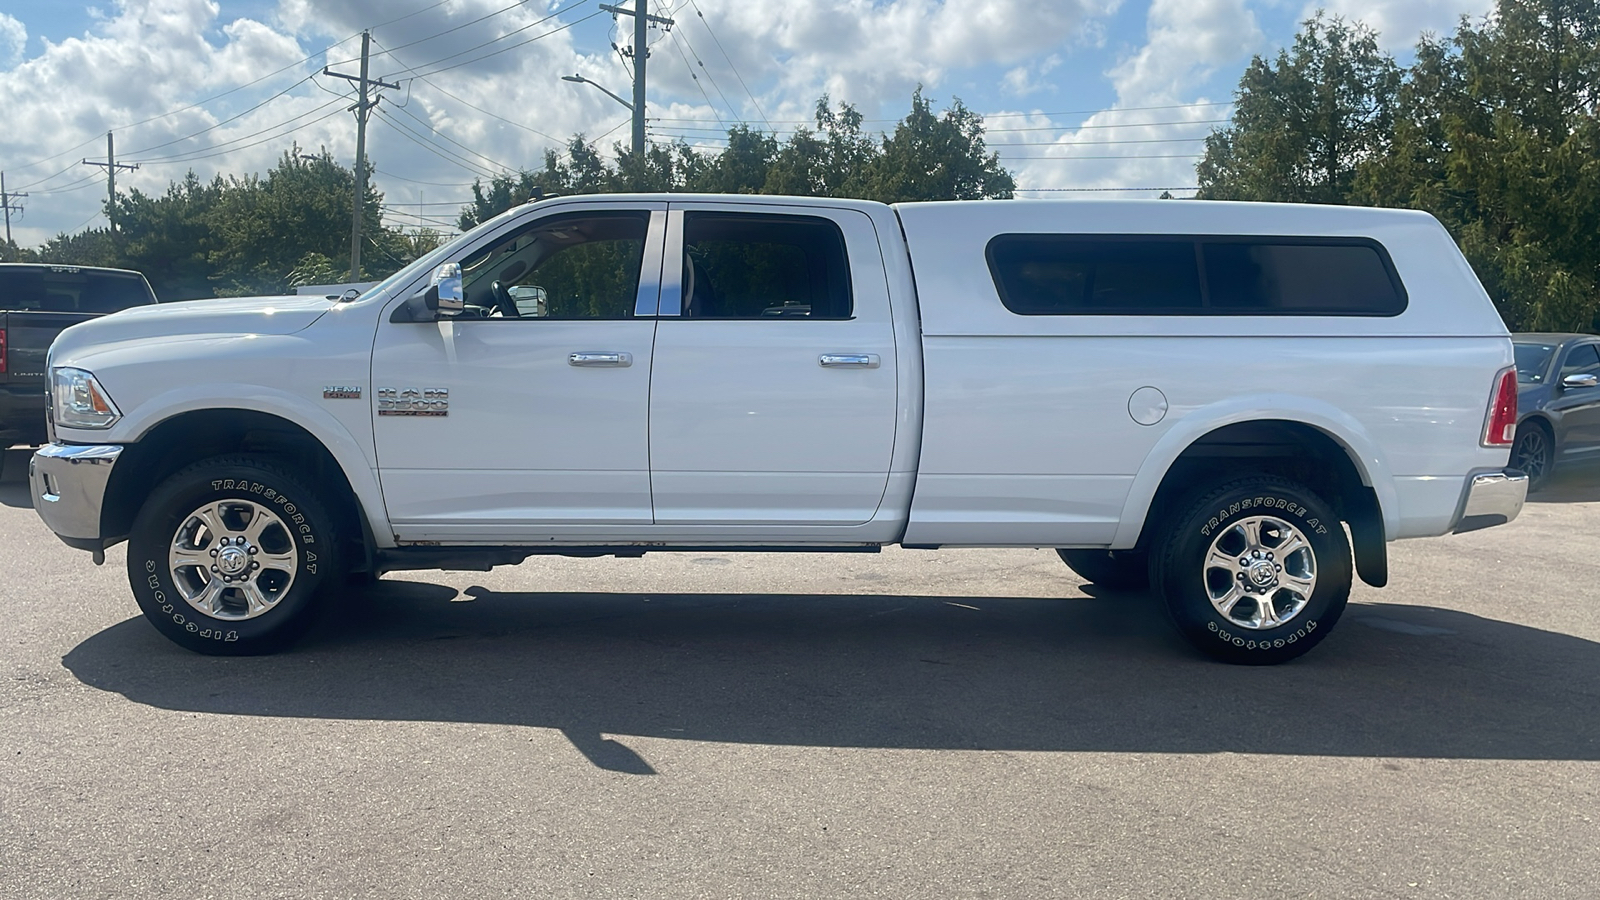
point(750, 266)
point(578, 266)
point(1583, 359)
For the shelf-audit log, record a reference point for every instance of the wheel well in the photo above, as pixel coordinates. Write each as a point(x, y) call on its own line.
point(190, 437)
point(1541, 421)
point(1292, 450)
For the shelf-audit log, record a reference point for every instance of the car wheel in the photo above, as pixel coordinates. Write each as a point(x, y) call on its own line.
point(1119, 570)
point(1255, 571)
point(226, 556)
point(1533, 452)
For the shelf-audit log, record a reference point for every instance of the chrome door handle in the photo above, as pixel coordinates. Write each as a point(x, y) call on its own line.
point(600, 358)
point(848, 360)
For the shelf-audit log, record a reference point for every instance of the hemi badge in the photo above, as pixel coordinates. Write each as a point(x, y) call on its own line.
point(341, 392)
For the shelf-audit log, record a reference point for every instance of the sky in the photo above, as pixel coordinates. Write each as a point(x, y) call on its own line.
point(1077, 95)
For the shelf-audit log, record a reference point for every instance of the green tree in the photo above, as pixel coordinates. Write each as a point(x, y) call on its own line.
point(937, 158)
point(1497, 135)
point(1304, 122)
point(929, 157)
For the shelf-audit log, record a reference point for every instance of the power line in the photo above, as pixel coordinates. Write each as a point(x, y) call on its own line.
point(428, 183)
point(679, 35)
point(513, 46)
point(224, 121)
point(696, 79)
point(782, 131)
point(222, 147)
point(197, 103)
point(704, 21)
point(424, 80)
point(475, 168)
point(438, 133)
point(987, 116)
point(1071, 158)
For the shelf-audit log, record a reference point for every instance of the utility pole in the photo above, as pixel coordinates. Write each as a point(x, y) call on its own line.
point(640, 53)
point(111, 166)
point(362, 107)
point(6, 201)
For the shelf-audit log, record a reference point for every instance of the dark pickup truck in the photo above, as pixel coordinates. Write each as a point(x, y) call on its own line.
point(38, 302)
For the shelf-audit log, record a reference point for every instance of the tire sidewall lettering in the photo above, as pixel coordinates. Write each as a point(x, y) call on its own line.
point(162, 599)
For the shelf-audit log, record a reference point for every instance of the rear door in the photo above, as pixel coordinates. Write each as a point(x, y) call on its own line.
point(773, 388)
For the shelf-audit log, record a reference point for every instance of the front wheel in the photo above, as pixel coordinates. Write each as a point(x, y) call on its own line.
point(226, 556)
point(1255, 571)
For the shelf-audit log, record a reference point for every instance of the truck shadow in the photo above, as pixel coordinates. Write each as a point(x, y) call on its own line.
point(1098, 674)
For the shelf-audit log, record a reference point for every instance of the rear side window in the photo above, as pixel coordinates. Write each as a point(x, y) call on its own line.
point(1193, 275)
point(71, 290)
point(749, 266)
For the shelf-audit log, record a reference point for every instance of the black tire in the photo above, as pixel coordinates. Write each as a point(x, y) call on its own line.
point(1187, 576)
point(1533, 451)
point(302, 532)
point(1119, 570)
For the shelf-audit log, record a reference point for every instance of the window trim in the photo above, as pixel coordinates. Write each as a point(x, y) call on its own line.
point(1198, 241)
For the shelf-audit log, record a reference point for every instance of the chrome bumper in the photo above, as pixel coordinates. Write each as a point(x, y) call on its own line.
point(1491, 498)
point(69, 489)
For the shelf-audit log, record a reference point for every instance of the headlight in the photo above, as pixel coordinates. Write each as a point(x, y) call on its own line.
point(79, 401)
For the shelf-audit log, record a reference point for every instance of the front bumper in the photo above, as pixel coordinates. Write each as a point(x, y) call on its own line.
point(69, 489)
point(1491, 498)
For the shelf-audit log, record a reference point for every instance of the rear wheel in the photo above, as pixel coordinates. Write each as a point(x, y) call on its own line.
point(1119, 570)
point(1255, 571)
point(226, 556)
point(1534, 453)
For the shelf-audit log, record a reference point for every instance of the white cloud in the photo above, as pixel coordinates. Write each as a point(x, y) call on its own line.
point(13, 39)
point(1030, 79)
point(1187, 39)
point(1400, 22)
point(1131, 146)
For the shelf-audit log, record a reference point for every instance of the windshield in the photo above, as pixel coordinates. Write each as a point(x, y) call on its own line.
point(1533, 361)
point(430, 260)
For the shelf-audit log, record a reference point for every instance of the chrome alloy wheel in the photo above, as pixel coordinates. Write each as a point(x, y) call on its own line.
point(233, 559)
point(1260, 572)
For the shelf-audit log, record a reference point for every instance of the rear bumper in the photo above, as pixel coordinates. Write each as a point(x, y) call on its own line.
point(69, 489)
point(22, 411)
point(1491, 498)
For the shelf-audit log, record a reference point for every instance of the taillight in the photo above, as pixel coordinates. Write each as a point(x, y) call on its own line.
point(1502, 428)
point(2, 351)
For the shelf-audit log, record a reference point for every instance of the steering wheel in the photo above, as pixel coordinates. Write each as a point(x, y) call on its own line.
point(503, 301)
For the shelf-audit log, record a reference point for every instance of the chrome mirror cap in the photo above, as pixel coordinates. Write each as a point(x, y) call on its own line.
point(1581, 380)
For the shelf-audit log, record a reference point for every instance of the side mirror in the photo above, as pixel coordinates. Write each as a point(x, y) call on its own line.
point(439, 300)
point(1581, 380)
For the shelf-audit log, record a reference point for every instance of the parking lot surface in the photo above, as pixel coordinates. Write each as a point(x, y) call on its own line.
point(909, 724)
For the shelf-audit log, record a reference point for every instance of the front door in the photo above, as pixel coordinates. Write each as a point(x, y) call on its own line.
point(526, 418)
point(773, 394)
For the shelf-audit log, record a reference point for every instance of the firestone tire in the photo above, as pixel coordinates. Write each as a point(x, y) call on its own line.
point(1118, 570)
point(227, 556)
point(1255, 571)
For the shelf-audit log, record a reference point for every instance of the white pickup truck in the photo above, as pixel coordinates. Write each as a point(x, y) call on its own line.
point(1236, 404)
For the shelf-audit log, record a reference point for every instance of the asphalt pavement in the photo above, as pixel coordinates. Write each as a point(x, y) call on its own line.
point(909, 724)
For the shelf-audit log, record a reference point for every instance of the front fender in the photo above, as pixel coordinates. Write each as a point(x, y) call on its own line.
point(348, 452)
point(1344, 429)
